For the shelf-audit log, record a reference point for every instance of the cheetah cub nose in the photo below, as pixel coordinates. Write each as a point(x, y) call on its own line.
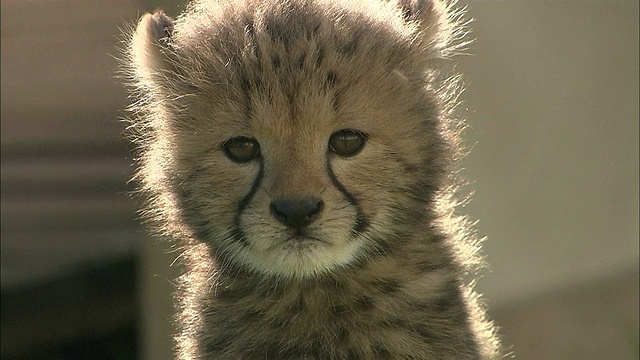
point(297, 213)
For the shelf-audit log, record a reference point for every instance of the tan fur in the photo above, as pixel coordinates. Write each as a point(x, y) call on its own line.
point(378, 272)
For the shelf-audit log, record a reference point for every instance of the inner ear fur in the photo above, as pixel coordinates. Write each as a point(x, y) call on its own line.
point(149, 42)
point(436, 22)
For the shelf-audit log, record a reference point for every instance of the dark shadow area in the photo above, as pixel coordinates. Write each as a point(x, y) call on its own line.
point(91, 314)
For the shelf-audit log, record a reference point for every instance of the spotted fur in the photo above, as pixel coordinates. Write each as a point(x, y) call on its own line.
point(377, 272)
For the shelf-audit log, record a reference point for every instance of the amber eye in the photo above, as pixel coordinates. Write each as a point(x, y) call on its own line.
point(347, 142)
point(241, 149)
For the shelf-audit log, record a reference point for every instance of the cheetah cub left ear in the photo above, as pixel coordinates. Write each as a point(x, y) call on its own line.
point(148, 47)
point(442, 29)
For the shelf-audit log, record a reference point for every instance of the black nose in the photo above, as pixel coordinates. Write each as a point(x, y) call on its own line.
point(296, 213)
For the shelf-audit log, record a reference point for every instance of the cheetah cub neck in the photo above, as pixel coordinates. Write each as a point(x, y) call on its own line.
point(300, 153)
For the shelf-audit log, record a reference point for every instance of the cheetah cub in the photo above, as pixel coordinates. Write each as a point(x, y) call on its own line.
point(299, 153)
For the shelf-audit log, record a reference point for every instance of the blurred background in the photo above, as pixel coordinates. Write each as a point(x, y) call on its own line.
point(552, 103)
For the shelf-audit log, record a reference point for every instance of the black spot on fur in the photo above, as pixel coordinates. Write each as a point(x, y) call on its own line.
point(338, 310)
point(353, 355)
point(335, 103)
point(245, 84)
point(298, 306)
point(258, 83)
point(361, 224)
point(300, 61)
point(349, 48)
point(384, 247)
point(427, 334)
point(276, 62)
point(239, 237)
point(451, 298)
point(459, 319)
point(343, 334)
point(270, 291)
point(406, 14)
point(412, 10)
point(429, 265)
point(319, 57)
point(274, 28)
point(331, 79)
point(220, 341)
point(316, 351)
point(191, 211)
point(380, 351)
point(233, 294)
point(273, 351)
point(253, 315)
point(387, 286)
point(333, 284)
point(365, 303)
point(437, 238)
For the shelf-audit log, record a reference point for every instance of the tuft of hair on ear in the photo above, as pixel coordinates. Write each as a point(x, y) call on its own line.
point(149, 41)
point(442, 26)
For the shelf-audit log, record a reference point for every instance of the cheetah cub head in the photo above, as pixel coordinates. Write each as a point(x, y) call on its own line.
point(293, 137)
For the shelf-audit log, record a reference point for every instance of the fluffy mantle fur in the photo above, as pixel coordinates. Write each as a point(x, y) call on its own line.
point(378, 272)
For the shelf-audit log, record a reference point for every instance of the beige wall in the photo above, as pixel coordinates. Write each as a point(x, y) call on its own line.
point(553, 111)
point(552, 98)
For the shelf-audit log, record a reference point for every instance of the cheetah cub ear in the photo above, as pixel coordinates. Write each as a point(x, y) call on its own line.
point(441, 27)
point(151, 38)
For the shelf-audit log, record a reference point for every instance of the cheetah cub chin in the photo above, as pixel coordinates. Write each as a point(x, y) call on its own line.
point(299, 153)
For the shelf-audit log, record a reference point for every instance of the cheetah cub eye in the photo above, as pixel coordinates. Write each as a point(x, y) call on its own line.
point(241, 149)
point(347, 142)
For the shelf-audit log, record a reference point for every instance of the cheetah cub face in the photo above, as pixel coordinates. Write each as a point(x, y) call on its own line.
point(293, 141)
point(297, 189)
point(297, 208)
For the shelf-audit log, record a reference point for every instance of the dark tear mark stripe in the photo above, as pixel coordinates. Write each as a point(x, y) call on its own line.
point(238, 235)
point(361, 221)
